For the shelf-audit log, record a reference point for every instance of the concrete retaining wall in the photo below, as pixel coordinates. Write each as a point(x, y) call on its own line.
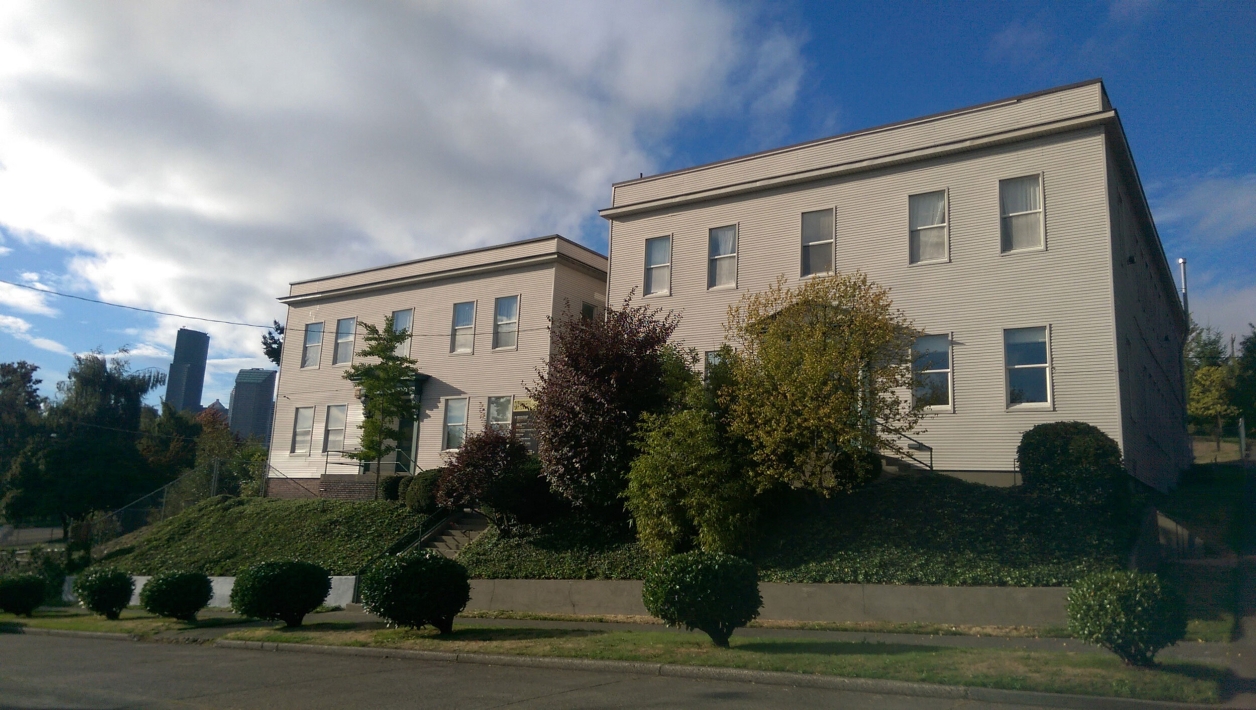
point(341, 591)
point(974, 606)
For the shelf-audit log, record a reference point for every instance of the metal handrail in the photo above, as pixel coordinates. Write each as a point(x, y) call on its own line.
point(915, 445)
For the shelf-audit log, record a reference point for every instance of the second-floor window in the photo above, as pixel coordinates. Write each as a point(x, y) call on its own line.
point(334, 431)
point(658, 266)
point(344, 341)
point(817, 242)
point(931, 361)
point(312, 348)
point(722, 257)
point(1020, 213)
point(506, 323)
point(302, 430)
point(462, 339)
point(403, 320)
point(927, 227)
point(500, 410)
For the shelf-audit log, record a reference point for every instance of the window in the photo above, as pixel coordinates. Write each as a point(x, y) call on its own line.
point(927, 227)
point(506, 323)
point(817, 242)
point(587, 311)
point(403, 320)
point(455, 423)
point(931, 361)
point(302, 430)
point(711, 359)
point(334, 432)
point(1028, 371)
point(500, 410)
point(1020, 210)
point(722, 257)
point(658, 266)
point(462, 340)
point(344, 341)
point(311, 353)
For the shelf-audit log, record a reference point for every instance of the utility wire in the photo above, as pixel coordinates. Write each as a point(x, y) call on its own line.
point(132, 308)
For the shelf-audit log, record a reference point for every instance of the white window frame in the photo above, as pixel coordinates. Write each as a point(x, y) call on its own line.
point(946, 227)
point(296, 418)
point(454, 328)
point(671, 245)
point(353, 341)
point(510, 412)
point(403, 349)
point(711, 286)
point(588, 311)
point(318, 359)
point(1049, 405)
point(444, 430)
point(327, 430)
point(950, 374)
point(1042, 213)
point(518, 319)
point(831, 241)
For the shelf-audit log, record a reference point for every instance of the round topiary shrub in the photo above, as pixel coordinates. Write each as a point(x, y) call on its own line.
point(1133, 615)
point(178, 595)
point(104, 590)
point(280, 591)
point(1074, 462)
point(21, 594)
point(421, 493)
point(390, 487)
point(710, 591)
point(417, 589)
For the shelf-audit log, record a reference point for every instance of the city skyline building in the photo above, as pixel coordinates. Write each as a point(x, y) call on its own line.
point(252, 403)
point(187, 372)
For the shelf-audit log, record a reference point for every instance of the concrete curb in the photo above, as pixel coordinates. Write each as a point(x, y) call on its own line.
point(99, 635)
point(858, 685)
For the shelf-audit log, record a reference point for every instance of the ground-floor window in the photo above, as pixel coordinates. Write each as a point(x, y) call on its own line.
point(1027, 358)
point(455, 423)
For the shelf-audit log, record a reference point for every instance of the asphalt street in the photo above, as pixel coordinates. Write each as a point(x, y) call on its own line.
point(43, 672)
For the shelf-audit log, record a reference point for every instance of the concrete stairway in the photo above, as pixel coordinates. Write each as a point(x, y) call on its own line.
point(462, 529)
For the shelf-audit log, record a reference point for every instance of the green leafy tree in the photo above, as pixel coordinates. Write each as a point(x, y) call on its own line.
point(1210, 397)
point(1205, 347)
point(602, 375)
point(1245, 378)
point(272, 343)
point(386, 381)
point(19, 408)
point(169, 440)
point(816, 381)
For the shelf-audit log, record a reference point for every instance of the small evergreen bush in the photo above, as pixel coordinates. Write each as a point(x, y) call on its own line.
point(390, 487)
point(416, 589)
point(177, 595)
point(421, 493)
point(710, 591)
point(1133, 615)
point(280, 591)
point(403, 486)
point(1073, 462)
point(104, 590)
point(21, 594)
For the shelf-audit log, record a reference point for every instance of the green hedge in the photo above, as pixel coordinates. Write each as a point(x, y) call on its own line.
point(222, 536)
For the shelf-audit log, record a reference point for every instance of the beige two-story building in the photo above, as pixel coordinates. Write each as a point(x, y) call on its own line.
point(1014, 234)
point(479, 330)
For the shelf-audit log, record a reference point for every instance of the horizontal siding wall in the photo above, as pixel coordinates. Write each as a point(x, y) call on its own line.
point(975, 296)
point(478, 376)
point(1044, 108)
point(1149, 341)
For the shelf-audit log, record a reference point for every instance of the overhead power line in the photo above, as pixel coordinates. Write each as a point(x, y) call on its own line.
point(131, 308)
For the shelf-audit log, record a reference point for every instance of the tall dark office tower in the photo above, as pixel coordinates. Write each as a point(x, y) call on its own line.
point(252, 402)
point(187, 372)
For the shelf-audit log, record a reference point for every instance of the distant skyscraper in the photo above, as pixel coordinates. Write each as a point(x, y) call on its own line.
point(252, 402)
point(187, 372)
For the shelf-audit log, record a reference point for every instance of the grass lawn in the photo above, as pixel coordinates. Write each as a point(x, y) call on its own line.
point(1058, 672)
point(222, 536)
point(134, 621)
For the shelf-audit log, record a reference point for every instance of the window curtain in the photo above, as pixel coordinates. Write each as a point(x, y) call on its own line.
point(723, 241)
point(927, 210)
point(1020, 195)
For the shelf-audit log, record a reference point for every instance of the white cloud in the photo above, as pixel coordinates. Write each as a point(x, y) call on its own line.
point(1228, 309)
point(20, 329)
point(197, 157)
point(5, 251)
point(1020, 42)
point(25, 300)
point(1213, 209)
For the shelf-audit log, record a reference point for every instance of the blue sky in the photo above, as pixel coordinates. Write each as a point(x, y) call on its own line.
point(195, 158)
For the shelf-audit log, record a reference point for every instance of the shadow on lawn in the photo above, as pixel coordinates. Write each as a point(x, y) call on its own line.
point(834, 648)
point(509, 634)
